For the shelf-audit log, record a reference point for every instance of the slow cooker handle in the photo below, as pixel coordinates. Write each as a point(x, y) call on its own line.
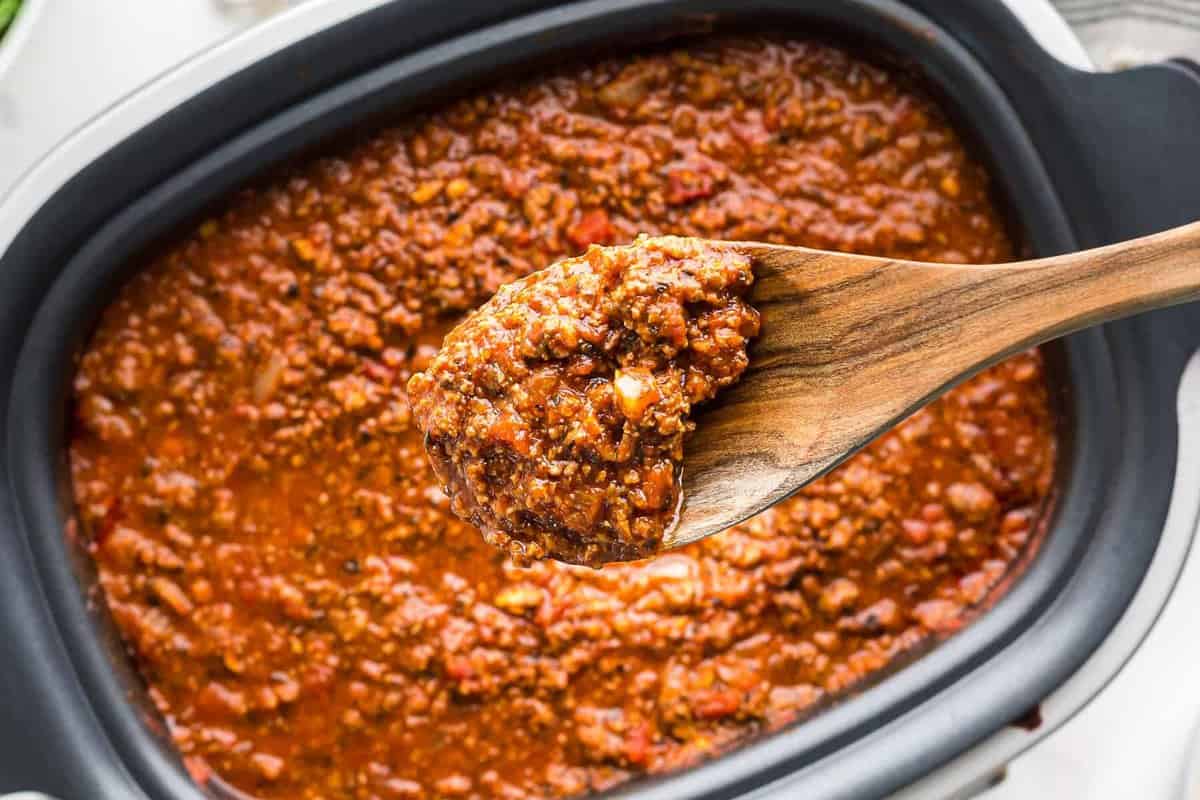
point(1121, 149)
point(1180, 327)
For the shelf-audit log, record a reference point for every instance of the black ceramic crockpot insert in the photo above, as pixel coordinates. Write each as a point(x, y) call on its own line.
point(1070, 150)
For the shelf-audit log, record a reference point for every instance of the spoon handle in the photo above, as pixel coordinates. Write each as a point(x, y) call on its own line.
point(1046, 298)
point(950, 319)
point(850, 345)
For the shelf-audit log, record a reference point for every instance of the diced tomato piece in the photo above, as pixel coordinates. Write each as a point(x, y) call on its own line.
point(198, 768)
point(216, 703)
point(717, 703)
point(460, 669)
point(686, 185)
point(108, 523)
point(591, 228)
point(511, 432)
point(378, 372)
point(637, 745)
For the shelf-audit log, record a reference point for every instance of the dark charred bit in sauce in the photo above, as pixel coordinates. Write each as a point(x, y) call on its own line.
point(556, 413)
point(312, 619)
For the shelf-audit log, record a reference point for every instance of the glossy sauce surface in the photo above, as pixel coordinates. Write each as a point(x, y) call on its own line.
point(309, 615)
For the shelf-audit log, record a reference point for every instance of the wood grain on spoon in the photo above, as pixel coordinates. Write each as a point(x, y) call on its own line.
point(850, 345)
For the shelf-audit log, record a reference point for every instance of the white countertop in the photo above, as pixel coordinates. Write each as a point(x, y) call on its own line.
point(82, 55)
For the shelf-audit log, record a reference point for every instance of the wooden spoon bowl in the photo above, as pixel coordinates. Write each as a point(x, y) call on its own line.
point(851, 345)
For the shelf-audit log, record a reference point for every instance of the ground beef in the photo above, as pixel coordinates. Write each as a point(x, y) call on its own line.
point(556, 413)
point(308, 614)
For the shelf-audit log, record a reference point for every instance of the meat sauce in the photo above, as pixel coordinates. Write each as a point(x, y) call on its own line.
point(556, 413)
point(308, 613)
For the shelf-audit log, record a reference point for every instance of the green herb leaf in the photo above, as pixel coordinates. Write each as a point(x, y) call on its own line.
point(8, 10)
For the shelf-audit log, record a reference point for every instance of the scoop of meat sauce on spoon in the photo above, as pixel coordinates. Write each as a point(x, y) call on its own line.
point(556, 413)
point(559, 412)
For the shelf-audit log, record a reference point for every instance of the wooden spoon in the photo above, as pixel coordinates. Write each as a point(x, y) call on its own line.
point(851, 345)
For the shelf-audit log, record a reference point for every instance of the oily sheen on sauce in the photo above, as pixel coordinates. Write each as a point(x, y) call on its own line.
point(309, 615)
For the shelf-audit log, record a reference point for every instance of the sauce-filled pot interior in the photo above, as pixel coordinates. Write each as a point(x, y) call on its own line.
point(308, 615)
